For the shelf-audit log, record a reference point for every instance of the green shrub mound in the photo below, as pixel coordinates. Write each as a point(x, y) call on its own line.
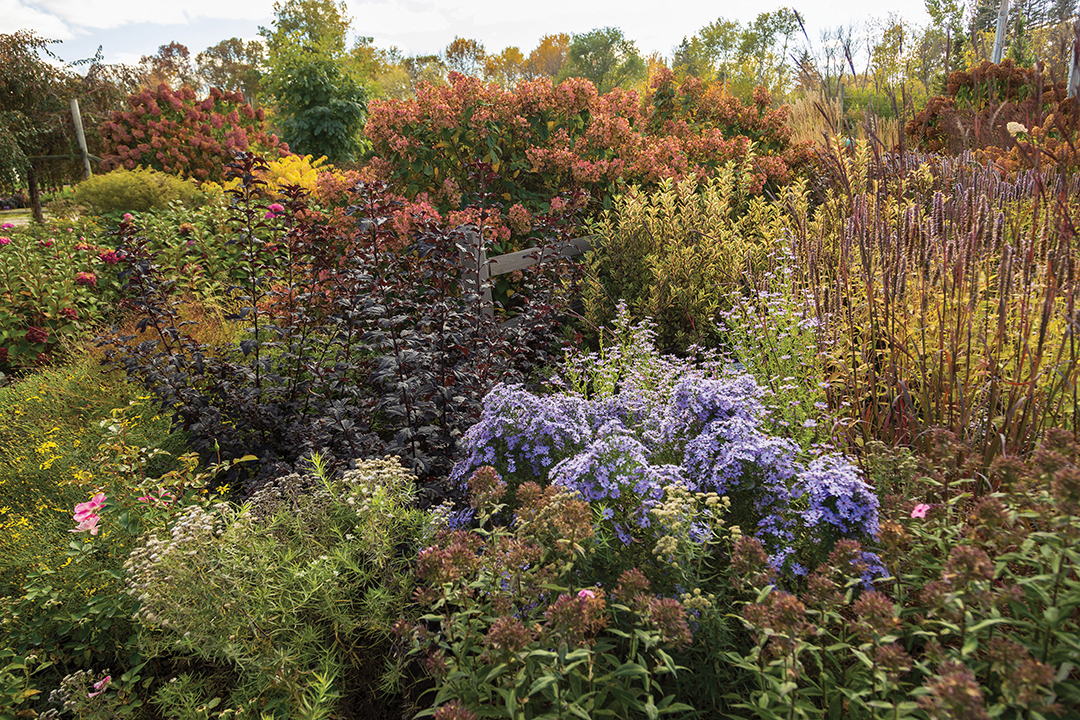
point(138, 190)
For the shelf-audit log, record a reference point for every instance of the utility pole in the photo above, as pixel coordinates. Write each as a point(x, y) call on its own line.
point(999, 37)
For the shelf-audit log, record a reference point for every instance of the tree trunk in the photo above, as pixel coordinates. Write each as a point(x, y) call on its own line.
point(35, 194)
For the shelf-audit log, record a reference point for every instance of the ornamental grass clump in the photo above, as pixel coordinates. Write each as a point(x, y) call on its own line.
point(944, 298)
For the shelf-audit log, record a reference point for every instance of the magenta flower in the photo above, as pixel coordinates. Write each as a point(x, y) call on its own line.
point(46, 243)
point(109, 257)
point(100, 686)
point(274, 210)
point(128, 217)
point(161, 496)
point(86, 514)
point(7, 226)
point(5, 241)
point(919, 511)
point(586, 594)
point(36, 334)
point(86, 278)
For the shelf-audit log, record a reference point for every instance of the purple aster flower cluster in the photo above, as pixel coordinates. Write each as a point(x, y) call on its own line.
point(522, 434)
point(838, 496)
point(659, 421)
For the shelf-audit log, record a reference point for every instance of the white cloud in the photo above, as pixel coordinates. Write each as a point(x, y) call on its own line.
point(20, 17)
point(106, 14)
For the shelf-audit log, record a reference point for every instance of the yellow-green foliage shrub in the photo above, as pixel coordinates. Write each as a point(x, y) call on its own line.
point(675, 254)
point(136, 190)
point(290, 170)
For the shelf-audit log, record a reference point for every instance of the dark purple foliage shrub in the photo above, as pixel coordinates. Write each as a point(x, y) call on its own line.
point(353, 347)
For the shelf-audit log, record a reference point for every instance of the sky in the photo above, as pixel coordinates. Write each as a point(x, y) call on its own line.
point(129, 29)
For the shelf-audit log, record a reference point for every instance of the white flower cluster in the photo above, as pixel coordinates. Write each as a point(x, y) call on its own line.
point(147, 567)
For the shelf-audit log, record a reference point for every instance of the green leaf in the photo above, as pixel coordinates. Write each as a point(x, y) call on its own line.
point(542, 683)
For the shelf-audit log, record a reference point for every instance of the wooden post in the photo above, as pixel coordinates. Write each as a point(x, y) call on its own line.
point(1074, 66)
point(999, 36)
point(77, 117)
point(475, 268)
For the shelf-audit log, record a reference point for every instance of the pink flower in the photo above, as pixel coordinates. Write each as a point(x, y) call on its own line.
point(89, 523)
point(161, 496)
point(919, 510)
point(128, 217)
point(86, 514)
point(109, 257)
point(90, 507)
point(586, 594)
point(86, 278)
point(100, 686)
point(5, 241)
point(274, 210)
point(46, 243)
point(7, 226)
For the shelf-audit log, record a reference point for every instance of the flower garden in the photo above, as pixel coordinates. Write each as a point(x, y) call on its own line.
point(796, 438)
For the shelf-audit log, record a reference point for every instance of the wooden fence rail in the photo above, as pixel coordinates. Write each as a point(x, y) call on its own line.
point(477, 268)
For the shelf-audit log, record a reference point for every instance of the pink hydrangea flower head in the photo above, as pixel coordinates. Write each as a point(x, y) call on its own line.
point(128, 217)
point(273, 211)
point(86, 278)
point(5, 241)
point(109, 257)
point(7, 226)
point(919, 511)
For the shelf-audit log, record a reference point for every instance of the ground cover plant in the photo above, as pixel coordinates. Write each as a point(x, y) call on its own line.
point(978, 619)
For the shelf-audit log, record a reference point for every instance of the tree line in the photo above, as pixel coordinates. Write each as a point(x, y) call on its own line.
point(316, 83)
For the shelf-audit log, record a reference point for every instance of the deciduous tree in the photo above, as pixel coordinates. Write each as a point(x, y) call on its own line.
point(508, 68)
point(321, 109)
point(320, 99)
point(172, 65)
point(35, 112)
point(465, 56)
point(606, 58)
point(549, 57)
point(233, 65)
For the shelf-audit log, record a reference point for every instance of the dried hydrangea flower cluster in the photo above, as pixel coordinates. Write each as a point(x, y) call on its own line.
point(630, 423)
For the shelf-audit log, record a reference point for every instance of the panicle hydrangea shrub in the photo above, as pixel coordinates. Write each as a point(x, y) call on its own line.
point(629, 423)
point(174, 132)
point(541, 138)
